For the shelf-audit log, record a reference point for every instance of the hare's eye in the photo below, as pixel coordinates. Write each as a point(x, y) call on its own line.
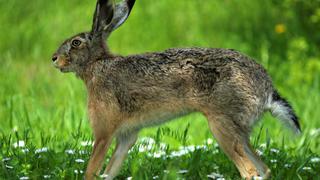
point(76, 43)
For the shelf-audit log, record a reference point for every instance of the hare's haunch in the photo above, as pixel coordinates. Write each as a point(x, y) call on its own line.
point(126, 94)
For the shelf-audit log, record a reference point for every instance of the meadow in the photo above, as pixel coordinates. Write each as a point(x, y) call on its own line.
point(44, 129)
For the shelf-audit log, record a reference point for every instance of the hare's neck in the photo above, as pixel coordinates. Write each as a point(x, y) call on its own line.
point(91, 72)
point(88, 74)
point(85, 74)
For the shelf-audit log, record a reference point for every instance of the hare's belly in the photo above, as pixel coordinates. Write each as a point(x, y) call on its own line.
point(152, 118)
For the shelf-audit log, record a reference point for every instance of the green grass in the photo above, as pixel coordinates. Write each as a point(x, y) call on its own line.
point(149, 158)
point(45, 108)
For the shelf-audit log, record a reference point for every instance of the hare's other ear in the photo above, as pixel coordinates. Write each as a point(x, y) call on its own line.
point(108, 17)
point(103, 16)
point(121, 13)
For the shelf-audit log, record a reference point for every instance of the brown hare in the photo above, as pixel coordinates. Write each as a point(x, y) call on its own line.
point(126, 94)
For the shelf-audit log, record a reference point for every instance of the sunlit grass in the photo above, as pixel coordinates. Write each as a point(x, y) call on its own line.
point(150, 158)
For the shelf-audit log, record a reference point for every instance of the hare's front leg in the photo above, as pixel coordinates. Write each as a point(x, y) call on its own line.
point(101, 145)
point(104, 122)
point(103, 132)
point(124, 143)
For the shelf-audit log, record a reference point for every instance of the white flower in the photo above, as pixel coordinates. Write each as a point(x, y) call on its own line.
point(15, 129)
point(263, 145)
point(86, 143)
point(9, 167)
point(306, 168)
point(214, 175)
point(129, 178)
point(146, 144)
point(204, 147)
point(216, 151)
point(69, 151)
point(315, 132)
point(41, 150)
point(79, 160)
point(159, 154)
point(46, 176)
point(78, 171)
point(209, 141)
point(19, 144)
point(257, 178)
point(163, 146)
point(104, 176)
point(216, 167)
point(182, 171)
point(185, 150)
point(25, 150)
point(260, 153)
point(287, 165)
point(190, 148)
point(155, 177)
point(178, 153)
point(273, 161)
point(166, 171)
point(82, 152)
point(315, 160)
point(24, 177)
point(144, 148)
point(147, 140)
point(274, 150)
point(6, 159)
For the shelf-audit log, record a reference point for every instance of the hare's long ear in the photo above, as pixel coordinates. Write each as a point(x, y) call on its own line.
point(103, 16)
point(108, 17)
point(121, 13)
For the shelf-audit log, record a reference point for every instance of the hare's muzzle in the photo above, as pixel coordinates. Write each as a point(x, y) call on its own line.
point(60, 61)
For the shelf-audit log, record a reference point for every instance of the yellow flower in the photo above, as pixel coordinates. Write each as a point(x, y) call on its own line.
point(280, 28)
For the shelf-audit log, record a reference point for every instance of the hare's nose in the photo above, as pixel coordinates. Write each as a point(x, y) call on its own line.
point(54, 58)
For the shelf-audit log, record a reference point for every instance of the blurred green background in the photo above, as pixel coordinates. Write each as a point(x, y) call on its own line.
point(281, 35)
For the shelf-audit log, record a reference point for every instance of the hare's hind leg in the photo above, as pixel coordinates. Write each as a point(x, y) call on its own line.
point(235, 143)
point(124, 143)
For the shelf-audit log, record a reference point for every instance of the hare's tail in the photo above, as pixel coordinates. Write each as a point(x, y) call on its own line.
point(281, 109)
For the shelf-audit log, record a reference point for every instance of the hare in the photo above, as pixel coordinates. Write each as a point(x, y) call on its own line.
point(126, 94)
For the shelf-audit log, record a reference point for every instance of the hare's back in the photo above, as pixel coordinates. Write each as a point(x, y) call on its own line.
point(203, 69)
point(196, 57)
point(222, 62)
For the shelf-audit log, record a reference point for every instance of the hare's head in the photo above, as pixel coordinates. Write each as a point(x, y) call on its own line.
point(76, 52)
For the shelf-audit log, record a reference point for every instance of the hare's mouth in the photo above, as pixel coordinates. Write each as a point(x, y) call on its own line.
point(61, 63)
point(64, 69)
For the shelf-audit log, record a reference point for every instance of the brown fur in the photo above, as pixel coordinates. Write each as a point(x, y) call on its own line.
point(126, 94)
